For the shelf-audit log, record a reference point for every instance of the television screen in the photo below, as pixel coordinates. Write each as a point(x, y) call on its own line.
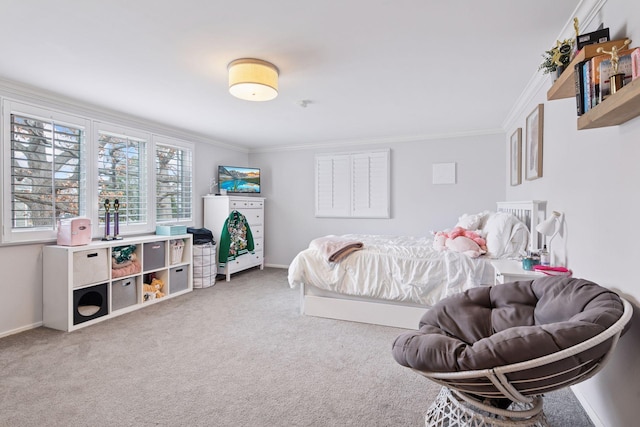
point(236, 179)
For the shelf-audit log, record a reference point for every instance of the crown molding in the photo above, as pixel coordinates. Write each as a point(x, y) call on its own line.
point(375, 141)
point(23, 92)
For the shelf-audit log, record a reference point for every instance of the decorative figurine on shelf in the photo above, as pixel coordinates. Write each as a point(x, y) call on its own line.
point(557, 58)
point(107, 220)
point(116, 220)
point(617, 79)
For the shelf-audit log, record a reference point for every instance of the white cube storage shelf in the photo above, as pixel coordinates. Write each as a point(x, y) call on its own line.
point(80, 289)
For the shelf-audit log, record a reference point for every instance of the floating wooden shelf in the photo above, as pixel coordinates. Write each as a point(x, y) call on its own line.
point(565, 86)
point(618, 108)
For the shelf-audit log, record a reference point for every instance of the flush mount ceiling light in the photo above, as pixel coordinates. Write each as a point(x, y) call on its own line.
point(253, 79)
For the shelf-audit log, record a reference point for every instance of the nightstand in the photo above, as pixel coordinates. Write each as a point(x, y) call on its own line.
point(510, 270)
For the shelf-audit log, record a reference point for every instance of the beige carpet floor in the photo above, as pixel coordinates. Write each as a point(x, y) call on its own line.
point(236, 354)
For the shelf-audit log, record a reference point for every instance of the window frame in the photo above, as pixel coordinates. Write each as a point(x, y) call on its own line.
point(9, 107)
point(183, 145)
point(108, 128)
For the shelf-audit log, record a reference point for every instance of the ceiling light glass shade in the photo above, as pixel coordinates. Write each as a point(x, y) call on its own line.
point(253, 79)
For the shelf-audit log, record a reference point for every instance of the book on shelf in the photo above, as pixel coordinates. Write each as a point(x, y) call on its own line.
point(579, 84)
point(594, 83)
point(586, 92)
point(606, 70)
point(595, 37)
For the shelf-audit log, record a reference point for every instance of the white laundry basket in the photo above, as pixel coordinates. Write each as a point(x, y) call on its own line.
point(204, 265)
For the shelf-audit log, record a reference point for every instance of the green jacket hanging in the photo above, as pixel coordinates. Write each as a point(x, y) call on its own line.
point(235, 239)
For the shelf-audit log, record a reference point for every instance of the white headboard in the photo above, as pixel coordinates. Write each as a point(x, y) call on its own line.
point(531, 212)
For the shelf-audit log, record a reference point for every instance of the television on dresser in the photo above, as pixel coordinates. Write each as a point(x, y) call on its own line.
point(238, 179)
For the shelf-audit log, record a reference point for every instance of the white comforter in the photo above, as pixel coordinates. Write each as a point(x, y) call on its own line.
point(396, 268)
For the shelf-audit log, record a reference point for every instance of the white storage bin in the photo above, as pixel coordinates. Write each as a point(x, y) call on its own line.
point(90, 267)
point(176, 248)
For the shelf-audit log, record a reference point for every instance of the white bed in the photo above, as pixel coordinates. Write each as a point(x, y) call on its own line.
point(393, 280)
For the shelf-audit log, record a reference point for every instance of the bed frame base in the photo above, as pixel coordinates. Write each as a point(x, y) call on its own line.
point(376, 313)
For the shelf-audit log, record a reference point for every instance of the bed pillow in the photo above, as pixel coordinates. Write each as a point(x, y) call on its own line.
point(472, 221)
point(505, 235)
point(518, 241)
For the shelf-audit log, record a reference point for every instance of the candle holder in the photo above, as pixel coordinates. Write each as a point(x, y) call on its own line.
point(107, 220)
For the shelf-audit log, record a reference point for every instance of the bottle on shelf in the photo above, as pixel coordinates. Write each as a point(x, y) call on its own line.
point(545, 257)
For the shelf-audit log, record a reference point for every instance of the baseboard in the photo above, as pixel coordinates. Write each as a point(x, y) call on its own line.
point(21, 329)
point(587, 407)
point(276, 266)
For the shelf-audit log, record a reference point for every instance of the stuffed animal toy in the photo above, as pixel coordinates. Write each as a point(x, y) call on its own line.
point(459, 231)
point(460, 240)
point(154, 289)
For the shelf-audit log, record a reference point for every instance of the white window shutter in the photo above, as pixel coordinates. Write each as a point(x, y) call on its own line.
point(332, 186)
point(370, 178)
point(353, 185)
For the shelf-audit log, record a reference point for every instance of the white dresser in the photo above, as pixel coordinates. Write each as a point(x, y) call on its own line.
point(217, 210)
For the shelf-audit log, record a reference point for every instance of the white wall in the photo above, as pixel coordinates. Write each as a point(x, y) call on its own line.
point(592, 176)
point(417, 206)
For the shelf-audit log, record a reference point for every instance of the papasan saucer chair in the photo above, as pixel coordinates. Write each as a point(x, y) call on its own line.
point(497, 350)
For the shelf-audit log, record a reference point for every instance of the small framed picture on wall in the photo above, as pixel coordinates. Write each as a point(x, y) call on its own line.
point(516, 157)
point(533, 145)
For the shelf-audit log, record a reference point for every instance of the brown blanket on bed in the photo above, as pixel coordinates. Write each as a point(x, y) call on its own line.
point(335, 248)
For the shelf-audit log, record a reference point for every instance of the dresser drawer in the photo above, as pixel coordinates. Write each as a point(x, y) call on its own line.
point(257, 232)
point(253, 216)
point(245, 261)
point(258, 244)
point(246, 204)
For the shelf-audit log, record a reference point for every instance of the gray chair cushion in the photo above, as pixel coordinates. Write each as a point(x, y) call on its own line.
point(488, 327)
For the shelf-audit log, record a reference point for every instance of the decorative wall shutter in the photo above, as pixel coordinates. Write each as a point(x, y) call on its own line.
point(332, 186)
point(370, 182)
point(353, 185)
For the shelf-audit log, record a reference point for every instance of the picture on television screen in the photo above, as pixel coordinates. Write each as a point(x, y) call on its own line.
point(236, 179)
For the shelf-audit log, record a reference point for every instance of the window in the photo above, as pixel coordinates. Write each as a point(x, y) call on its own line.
point(45, 164)
point(174, 181)
point(353, 185)
point(122, 176)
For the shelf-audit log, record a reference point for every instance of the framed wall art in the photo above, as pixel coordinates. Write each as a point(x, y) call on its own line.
point(533, 144)
point(516, 157)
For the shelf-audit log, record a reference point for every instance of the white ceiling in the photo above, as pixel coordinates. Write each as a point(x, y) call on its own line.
point(371, 69)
